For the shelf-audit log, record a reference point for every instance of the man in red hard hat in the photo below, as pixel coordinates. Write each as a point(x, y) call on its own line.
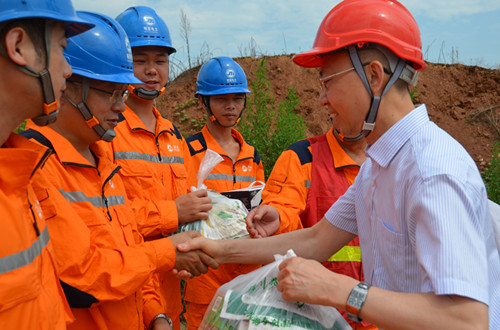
point(418, 204)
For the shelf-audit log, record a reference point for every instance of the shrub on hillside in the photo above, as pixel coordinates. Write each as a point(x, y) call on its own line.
point(270, 128)
point(491, 175)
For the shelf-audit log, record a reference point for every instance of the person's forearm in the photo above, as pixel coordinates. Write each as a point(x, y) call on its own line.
point(256, 251)
point(395, 310)
point(318, 242)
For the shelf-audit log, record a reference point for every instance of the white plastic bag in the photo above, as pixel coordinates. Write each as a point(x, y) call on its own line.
point(226, 219)
point(252, 301)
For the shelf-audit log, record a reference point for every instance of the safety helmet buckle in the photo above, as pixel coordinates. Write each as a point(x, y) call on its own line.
point(410, 75)
point(92, 122)
point(51, 107)
point(368, 126)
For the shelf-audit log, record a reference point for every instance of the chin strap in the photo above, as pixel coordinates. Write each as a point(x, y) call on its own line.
point(211, 116)
point(105, 134)
point(342, 138)
point(50, 105)
point(402, 71)
point(146, 94)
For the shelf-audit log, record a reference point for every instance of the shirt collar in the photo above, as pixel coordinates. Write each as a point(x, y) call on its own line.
point(341, 158)
point(65, 151)
point(389, 144)
point(246, 150)
point(134, 122)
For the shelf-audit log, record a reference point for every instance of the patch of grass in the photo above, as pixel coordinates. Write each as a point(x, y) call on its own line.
point(180, 111)
point(491, 175)
point(21, 127)
point(415, 95)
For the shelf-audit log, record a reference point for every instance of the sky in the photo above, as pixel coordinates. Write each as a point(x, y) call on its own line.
point(453, 31)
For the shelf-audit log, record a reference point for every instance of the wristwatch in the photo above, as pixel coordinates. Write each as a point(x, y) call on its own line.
point(161, 316)
point(356, 300)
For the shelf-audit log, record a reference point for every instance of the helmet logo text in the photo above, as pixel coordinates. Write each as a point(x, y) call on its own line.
point(231, 76)
point(150, 24)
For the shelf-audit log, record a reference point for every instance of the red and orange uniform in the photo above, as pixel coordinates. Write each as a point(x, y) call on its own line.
point(306, 180)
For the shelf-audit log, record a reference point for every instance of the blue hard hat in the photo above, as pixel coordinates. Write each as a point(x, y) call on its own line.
point(102, 53)
point(221, 75)
point(57, 10)
point(145, 28)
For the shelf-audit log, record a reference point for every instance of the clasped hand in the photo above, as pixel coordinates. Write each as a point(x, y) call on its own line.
point(193, 262)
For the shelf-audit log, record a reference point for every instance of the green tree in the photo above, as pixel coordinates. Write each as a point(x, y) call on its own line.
point(270, 128)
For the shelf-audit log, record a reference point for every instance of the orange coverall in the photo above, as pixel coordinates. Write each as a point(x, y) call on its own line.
point(104, 287)
point(30, 294)
point(154, 170)
point(224, 177)
point(306, 180)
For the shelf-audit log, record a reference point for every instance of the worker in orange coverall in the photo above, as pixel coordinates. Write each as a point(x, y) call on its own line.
point(104, 288)
point(306, 180)
point(151, 151)
point(221, 87)
point(33, 71)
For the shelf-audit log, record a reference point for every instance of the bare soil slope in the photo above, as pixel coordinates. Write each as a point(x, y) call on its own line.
point(463, 100)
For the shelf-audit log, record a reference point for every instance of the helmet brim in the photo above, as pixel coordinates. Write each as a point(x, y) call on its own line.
point(148, 42)
point(229, 90)
point(309, 59)
point(124, 78)
point(73, 24)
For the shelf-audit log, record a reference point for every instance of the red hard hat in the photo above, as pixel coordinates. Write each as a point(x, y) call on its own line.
point(384, 22)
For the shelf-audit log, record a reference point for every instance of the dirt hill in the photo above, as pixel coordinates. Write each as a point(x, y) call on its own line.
point(463, 100)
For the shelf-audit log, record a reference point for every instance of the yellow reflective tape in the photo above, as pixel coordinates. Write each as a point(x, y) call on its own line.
point(347, 253)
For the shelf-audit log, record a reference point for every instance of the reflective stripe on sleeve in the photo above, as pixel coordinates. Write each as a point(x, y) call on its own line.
point(124, 155)
point(25, 257)
point(307, 184)
point(79, 197)
point(347, 253)
point(227, 177)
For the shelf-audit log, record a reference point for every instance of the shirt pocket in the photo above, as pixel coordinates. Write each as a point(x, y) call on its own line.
point(45, 202)
point(20, 285)
point(138, 180)
point(125, 218)
point(20, 282)
point(178, 180)
point(390, 255)
point(275, 183)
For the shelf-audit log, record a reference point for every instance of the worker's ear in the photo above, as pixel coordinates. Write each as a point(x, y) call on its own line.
point(376, 77)
point(200, 100)
point(19, 47)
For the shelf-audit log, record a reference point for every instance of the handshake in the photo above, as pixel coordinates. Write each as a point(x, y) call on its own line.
point(191, 256)
point(195, 254)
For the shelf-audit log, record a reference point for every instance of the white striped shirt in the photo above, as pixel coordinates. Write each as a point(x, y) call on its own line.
point(422, 216)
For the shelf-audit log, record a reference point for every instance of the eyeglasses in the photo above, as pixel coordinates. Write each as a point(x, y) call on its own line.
point(117, 95)
point(324, 80)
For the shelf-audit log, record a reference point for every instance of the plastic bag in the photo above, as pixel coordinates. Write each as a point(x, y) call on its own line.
point(250, 196)
point(226, 219)
point(252, 301)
